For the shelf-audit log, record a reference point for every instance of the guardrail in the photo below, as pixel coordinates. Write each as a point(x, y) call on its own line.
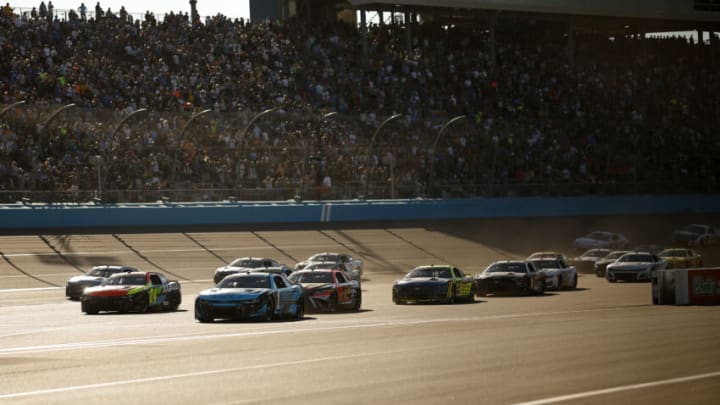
point(29, 216)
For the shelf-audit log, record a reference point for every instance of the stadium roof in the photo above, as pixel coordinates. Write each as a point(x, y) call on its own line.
point(700, 11)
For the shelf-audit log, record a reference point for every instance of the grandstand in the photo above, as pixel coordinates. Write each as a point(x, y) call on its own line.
point(554, 100)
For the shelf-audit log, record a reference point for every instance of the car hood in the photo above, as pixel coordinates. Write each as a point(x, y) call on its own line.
point(422, 281)
point(685, 234)
point(589, 242)
point(501, 275)
point(218, 294)
point(630, 266)
point(86, 280)
point(315, 286)
point(113, 290)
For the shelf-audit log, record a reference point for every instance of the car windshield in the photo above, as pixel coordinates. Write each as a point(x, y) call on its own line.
point(246, 281)
point(430, 272)
point(614, 255)
point(249, 263)
point(596, 253)
point(312, 277)
point(599, 236)
point(326, 265)
point(700, 230)
point(674, 253)
point(127, 279)
point(636, 258)
point(546, 264)
point(507, 268)
point(324, 258)
point(102, 272)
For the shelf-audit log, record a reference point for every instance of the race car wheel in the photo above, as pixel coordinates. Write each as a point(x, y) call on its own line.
point(560, 283)
point(300, 314)
point(397, 301)
point(332, 303)
point(142, 304)
point(357, 301)
point(174, 301)
point(202, 314)
point(451, 299)
point(89, 309)
point(574, 283)
point(269, 310)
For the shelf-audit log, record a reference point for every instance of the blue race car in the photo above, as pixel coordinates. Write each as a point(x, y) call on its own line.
point(251, 296)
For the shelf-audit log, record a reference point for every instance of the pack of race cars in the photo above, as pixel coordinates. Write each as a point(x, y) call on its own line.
point(254, 288)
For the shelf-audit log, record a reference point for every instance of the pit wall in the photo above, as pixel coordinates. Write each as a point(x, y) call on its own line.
point(30, 215)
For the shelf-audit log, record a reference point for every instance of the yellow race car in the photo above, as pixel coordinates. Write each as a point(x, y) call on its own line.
point(681, 258)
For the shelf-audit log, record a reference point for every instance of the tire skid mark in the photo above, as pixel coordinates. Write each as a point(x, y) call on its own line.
point(197, 242)
point(418, 247)
point(25, 272)
point(358, 254)
point(142, 256)
point(60, 254)
point(276, 247)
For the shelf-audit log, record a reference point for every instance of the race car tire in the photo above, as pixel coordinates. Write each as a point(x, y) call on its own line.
point(269, 310)
point(357, 301)
point(332, 303)
point(612, 280)
point(560, 283)
point(574, 283)
point(451, 299)
point(203, 315)
point(300, 313)
point(89, 309)
point(398, 301)
point(174, 301)
point(143, 304)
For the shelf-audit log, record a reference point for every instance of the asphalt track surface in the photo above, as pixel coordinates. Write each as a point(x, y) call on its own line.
point(602, 343)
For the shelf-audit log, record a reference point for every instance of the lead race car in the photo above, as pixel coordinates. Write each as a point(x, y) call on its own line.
point(434, 283)
point(251, 295)
point(136, 291)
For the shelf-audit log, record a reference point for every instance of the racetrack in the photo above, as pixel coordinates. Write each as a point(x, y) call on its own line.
point(602, 343)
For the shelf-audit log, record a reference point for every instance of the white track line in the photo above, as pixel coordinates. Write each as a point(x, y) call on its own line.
point(189, 375)
point(621, 388)
point(294, 329)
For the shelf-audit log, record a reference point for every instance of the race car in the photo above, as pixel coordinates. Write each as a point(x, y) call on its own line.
point(585, 263)
point(558, 274)
point(251, 295)
point(354, 265)
point(136, 291)
point(634, 266)
point(248, 263)
point(601, 239)
point(434, 283)
point(696, 235)
point(353, 275)
point(601, 264)
point(328, 289)
point(77, 284)
point(510, 277)
point(681, 258)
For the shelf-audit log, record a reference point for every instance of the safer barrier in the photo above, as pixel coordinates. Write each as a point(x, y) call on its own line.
point(29, 216)
point(687, 287)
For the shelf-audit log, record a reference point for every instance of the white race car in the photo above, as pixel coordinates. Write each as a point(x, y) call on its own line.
point(634, 266)
point(696, 234)
point(353, 264)
point(601, 239)
point(558, 274)
point(249, 264)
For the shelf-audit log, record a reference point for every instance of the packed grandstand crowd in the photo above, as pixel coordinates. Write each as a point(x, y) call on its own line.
point(641, 113)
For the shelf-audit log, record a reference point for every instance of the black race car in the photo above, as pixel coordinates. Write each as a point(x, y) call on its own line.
point(435, 283)
point(510, 277)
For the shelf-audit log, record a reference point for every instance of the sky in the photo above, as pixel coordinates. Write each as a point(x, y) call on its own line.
point(229, 8)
